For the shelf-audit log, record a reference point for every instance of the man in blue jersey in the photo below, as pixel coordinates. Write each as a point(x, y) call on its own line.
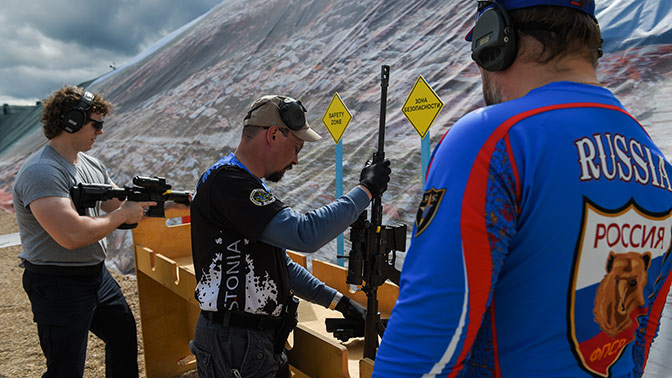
point(239, 232)
point(541, 246)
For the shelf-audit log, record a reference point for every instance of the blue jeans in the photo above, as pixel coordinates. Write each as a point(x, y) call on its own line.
point(222, 351)
point(66, 308)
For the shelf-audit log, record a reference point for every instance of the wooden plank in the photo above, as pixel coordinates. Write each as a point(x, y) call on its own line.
point(298, 258)
point(296, 373)
point(312, 316)
point(365, 368)
point(168, 324)
point(177, 278)
point(316, 355)
point(171, 241)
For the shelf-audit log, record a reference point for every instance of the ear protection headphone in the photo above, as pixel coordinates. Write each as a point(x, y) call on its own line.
point(493, 44)
point(291, 112)
point(74, 119)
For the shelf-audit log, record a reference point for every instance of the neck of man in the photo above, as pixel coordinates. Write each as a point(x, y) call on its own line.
point(252, 156)
point(61, 143)
point(524, 76)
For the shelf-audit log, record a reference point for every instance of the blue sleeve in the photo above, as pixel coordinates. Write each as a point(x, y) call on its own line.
point(307, 287)
point(308, 232)
point(464, 224)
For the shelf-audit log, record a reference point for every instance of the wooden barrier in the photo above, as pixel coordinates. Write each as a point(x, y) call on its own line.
point(169, 311)
point(166, 283)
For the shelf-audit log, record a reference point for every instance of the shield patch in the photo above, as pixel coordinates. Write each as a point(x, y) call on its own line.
point(611, 281)
point(431, 200)
point(261, 197)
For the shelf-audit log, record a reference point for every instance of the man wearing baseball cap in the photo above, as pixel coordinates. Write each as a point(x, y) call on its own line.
point(532, 254)
point(239, 233)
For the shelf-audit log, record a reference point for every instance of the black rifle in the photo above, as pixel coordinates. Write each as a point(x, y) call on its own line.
point(144, 189)
point(373, 254)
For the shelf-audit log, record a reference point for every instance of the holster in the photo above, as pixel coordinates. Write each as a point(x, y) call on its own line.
point(287, 324)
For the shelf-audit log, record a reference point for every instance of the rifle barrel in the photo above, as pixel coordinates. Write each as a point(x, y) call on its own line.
point(384, 82)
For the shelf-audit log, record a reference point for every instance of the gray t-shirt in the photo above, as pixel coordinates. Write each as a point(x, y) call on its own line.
point(47, 174)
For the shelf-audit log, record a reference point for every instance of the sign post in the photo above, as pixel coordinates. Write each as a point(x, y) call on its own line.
point(421, 108)
point(336, 119)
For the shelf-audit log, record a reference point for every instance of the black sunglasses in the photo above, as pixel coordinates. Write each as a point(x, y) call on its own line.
point(292, 113)
point(98, 125)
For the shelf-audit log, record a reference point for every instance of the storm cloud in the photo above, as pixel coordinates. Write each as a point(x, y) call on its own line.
point(48, 44)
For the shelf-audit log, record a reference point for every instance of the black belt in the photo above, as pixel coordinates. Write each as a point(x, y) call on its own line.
point(87, 270)
point(243, 319)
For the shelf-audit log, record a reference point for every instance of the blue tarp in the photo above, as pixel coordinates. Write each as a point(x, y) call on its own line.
point(627, 24)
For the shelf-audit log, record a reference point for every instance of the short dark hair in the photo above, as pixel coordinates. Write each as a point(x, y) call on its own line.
point(250, 131)
point(562, 31)
point(63, 100)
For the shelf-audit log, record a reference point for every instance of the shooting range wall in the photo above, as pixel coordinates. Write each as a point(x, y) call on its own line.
point(179, 106)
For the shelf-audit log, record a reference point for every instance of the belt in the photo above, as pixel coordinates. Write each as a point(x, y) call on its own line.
point(60, 270)
point(243, 319)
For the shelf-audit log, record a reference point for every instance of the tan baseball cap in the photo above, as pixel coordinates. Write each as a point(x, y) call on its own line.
point(281, 111)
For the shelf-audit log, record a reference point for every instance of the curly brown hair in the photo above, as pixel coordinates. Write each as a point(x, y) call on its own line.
point(562, 31)
point(63, 100)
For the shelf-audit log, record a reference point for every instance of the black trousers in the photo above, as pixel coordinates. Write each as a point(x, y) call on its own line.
point(66, 308)
point(229, 352)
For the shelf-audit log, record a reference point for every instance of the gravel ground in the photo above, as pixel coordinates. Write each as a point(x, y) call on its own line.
point(20, 353)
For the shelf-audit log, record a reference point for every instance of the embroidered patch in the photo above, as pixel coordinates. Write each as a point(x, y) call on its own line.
point(612, 284)
point(261, 197)
point(431, 200)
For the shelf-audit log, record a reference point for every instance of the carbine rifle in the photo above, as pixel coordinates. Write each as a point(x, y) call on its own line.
point(372, 257)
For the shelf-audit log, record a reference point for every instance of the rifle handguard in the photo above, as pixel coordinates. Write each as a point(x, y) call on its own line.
point(152, 189)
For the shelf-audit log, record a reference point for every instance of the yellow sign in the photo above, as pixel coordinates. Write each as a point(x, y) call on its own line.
point(336, 118)
point(422, 106)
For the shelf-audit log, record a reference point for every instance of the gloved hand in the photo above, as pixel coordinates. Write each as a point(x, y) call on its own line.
point(375, 177)
point(351, 310)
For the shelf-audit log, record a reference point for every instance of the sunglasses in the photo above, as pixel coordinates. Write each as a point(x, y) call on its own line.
point(98, 125)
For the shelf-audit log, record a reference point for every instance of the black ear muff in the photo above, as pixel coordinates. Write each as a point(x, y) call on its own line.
point(493, 44)
point(74, 119)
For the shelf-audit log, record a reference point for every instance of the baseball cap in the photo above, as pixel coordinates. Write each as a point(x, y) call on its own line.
point(586, 6)
point(281, 111)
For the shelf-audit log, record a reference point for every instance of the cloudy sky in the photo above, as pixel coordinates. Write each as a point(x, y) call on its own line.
point(46, 44)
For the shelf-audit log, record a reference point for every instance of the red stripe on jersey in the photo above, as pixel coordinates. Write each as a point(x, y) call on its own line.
point(476, 245)
point(495, 348)
point(514, 168)
point(655, 313)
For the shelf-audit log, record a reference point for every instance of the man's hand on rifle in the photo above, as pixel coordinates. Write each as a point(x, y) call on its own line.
point(134, 211)
point(351, 310)
point(374, 177)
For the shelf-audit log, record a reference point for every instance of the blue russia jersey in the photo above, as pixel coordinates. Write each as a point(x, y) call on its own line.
point(541, 246)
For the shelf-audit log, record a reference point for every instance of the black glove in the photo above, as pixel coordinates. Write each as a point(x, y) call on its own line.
point(375, 177)
point(351, 310)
